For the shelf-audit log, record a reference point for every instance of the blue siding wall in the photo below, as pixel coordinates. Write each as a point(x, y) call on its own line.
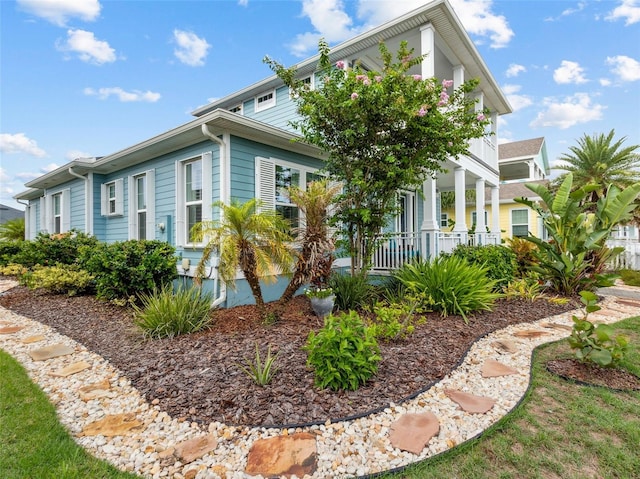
point(78, 210)
point(279, 115)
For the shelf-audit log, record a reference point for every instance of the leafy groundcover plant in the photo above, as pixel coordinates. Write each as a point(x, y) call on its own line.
point(344, 353)
point(166, 313)
point(451, 284)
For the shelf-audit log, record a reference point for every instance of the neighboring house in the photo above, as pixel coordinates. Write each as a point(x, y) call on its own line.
point(8, 213)
point(519, 162)
point(241, 147)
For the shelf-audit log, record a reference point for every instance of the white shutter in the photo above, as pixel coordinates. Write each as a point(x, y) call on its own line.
point(151, 204)
point(119, 196)
point(65, 198)
point(104, 200)
point(266, 182)
point(31, 234)
point(43, 214)
point(133, 207)
point(207, 185)
point(180, 213)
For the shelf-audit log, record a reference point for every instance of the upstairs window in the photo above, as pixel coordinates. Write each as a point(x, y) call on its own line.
point(265, 100)
point(236, 109)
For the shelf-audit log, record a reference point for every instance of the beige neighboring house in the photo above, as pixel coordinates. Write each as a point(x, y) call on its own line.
point(519, 162)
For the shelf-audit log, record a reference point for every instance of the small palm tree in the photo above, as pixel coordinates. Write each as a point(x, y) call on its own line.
point(600, 160)
point(12, 230)
point(316, 243)
point(254, 240)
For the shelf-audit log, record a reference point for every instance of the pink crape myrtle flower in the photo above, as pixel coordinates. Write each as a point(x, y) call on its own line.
point(366, 81)
point(354, 95)
point(417, 77)
point(378, 78)
point(450, 143)
point(340, 64)
point(444, 98)
point(360, 77)
point(447, 83)
point(480, 117)
point(422, 111)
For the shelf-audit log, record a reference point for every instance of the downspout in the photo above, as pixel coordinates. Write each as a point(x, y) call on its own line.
point(223, 199)
point(87, 193)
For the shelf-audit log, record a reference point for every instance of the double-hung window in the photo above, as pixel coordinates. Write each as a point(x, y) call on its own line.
point(519, 222)
point(142, 206)
point(57, 213)
point(194, 193)
point(444, 220)
point(112, 203)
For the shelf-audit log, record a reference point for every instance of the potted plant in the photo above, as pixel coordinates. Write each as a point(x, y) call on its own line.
point(319, 292)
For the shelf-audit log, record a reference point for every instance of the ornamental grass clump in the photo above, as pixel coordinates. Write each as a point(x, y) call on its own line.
point(451, 285)
point(259, 370)
point(165, 313)
point(344, 354)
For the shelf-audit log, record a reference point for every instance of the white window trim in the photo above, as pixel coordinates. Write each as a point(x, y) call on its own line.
point(511, 224)
point(150, 199)
point(311, 84)
point(119, 199)
point(265, 105)
point(412, 217)
point(182, 238)
point(47, 218)
point(240, 107)
point(445, 217)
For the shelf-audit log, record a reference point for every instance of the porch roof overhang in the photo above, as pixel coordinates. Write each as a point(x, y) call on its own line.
point(458, 47)
point(219, 122)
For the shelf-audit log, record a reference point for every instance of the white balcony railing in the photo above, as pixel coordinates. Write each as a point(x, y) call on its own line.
point(395, 250)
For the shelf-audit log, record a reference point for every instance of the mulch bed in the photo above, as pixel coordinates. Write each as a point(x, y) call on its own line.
point(197, 377)
point(594, 375)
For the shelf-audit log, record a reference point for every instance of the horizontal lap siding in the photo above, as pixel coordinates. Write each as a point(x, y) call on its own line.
point(279, 115)
point(78, 209)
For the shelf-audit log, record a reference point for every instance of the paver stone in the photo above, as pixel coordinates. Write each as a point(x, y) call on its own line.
point(10, 329)
point(470, 402)
point(529, 333)
point(113, 425)
point(193, 449)
point(96, 390)
point(71, 369)
point(412, 432)
point(49, 352)
point(283, 456)
point(34, 339)
point(492, 368)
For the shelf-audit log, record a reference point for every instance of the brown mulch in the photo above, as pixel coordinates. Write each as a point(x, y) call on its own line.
point(592, 374)
point(197, 377)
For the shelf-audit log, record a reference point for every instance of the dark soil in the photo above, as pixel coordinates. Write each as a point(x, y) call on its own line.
point(197, 377)
point(592, 374)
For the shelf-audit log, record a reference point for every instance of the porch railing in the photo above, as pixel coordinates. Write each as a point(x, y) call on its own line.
point(395, 250)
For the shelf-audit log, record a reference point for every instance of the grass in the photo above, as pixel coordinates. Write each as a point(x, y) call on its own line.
point(630, 277)
point(33, 444)
point(561, 430)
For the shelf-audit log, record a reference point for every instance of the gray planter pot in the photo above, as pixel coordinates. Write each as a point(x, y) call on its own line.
point(323, 306)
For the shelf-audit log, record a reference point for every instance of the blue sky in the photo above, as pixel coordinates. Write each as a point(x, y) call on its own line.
point(88, 78)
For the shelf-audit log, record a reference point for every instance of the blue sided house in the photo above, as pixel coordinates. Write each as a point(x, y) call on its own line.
point(241, 147)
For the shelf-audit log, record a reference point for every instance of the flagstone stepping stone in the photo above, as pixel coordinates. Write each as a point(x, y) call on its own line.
point(11, 329)
point(470, 402)
point(49, 352)
point(113, 425)
point(283, 456)
point(628, 302)
point(529, 333)
point(70, 369)
point(564, 327)
point(412, 432)
point(33, 339)
point(189, 451)
point(95, 390)
point(492, 368)
point(506, 346)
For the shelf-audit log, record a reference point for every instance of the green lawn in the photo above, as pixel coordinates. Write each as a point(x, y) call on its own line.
point(561, 430)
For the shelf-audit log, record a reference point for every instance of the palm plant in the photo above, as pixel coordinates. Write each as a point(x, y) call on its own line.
point(12, 230)
point(600, 160)
point(313, 235)
point(253, 239)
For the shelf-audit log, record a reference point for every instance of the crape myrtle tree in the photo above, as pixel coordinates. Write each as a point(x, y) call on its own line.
point(383, 132)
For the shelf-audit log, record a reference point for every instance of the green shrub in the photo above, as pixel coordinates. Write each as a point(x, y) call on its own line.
point(344, 353)
point(352, 292)
point(527, 288)
point(59, 279)
point(166, 313)
point(451, 284)
point(8, 251)
point(592, 343)
point(129, 268)
point(499, 260)
point(48, 250)
point(525, 252)
point(13, 269)
point(630, 277)
point(392, 321)
point(261, 372)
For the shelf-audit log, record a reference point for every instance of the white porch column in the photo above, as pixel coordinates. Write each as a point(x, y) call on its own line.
point(481, 227)
point(430, 224)
point(532, 169)
point(461, 223)
point(427, 46)
point(458, 76)
point(495, 210)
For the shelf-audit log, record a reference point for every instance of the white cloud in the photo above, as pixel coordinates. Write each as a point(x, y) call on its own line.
point(122, 95)
point(49, 167)
point(19, 143)
point(629, 10)
point(191, 49)
point(604, 82)
point(75, 154)
point(27, 176)
point(59, 12)
point(514, 70)
point(569, 11)
point(331, 21)
point(88, 47)
point(243, 3)
point(626, 68)
point(569, 72)
point(518, 102)
point(568, 112)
